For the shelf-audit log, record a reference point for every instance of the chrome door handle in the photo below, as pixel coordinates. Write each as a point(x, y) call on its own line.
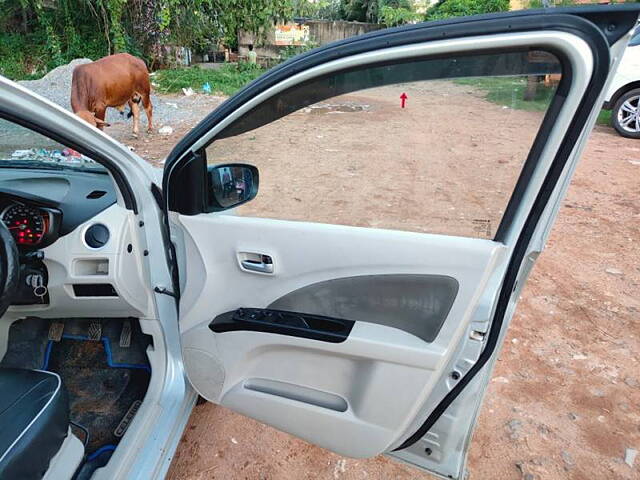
point(265, 265)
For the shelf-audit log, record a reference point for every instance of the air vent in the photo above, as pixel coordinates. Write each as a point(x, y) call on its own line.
point(96, 194)
point(96, 236)
point(94, 290)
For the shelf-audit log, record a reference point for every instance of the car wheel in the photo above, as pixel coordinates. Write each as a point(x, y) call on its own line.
point(626, 114)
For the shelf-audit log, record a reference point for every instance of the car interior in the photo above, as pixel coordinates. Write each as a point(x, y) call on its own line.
point(72, 381)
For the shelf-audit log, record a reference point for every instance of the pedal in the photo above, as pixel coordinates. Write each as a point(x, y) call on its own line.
point(125, 334)
point(56, 329)
point(126, 420)
point(95, 330)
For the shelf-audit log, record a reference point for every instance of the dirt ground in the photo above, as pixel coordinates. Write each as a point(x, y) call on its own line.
point(564, 401)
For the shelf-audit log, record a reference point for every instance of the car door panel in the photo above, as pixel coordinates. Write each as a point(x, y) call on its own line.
point(364, 372)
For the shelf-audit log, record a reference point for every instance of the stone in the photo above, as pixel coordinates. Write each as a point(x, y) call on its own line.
point(515, 428)
point(568, 460)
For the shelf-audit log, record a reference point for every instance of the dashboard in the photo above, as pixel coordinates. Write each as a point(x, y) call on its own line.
point(76, 247)
point(39, 206)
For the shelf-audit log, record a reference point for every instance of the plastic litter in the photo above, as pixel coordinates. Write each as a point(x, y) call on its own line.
point(206, 88)
point(66, 156)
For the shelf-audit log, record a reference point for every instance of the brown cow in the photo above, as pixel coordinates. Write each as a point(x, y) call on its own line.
point(112, 81)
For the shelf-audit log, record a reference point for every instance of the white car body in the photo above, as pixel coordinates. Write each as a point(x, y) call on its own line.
point(623, 96)
point(627, 75)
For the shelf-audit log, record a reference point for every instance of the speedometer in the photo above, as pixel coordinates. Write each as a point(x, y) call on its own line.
point(27, 224)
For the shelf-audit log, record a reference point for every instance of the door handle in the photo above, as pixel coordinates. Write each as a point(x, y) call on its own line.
point(257, 263)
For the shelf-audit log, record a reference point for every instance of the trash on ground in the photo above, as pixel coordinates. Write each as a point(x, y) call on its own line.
point(66, 156)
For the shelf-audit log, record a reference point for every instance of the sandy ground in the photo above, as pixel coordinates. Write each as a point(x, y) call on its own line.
point(564, 401)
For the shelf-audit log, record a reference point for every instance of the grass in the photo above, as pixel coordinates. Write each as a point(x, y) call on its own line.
point(509, 91)
point(226, 80)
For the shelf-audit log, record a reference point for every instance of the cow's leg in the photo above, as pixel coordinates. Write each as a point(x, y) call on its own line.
point(135, 110)
point(101, 113)
point(148, 108)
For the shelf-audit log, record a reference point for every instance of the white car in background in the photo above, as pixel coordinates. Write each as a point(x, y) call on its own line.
point(623, 98)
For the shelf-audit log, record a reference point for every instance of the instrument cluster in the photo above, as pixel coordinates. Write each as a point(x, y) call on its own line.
point(31, 226)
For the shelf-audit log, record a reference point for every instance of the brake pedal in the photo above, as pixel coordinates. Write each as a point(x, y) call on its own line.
point(95, 330)
point(125, 334)
point(56, 329)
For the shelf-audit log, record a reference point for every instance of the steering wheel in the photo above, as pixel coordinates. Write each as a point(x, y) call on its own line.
point(9, 268)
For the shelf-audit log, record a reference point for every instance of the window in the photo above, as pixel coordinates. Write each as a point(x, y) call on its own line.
point(24, 148)
point(427, 145)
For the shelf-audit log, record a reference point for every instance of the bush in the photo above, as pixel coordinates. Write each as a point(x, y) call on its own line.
point(461, 8)
point(15, 62)
point(226, 80)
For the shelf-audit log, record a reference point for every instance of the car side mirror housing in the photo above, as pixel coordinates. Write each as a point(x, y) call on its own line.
point(230, 185)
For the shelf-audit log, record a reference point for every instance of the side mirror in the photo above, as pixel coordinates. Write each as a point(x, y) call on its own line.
point(230, 185)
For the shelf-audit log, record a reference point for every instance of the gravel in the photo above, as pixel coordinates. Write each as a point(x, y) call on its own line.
point(173, 110)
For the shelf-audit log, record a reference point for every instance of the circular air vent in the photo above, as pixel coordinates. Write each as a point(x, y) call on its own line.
point(96, 236)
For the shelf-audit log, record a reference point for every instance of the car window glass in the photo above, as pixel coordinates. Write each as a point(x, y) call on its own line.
point(21, 147)
point(431, 145)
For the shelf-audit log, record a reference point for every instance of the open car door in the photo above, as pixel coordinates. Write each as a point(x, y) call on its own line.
point(409, 179)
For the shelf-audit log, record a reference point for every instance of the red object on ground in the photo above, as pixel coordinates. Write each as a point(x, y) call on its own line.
point(403, 99)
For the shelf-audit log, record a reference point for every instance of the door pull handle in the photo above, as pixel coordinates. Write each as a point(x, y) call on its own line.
point(264, 265)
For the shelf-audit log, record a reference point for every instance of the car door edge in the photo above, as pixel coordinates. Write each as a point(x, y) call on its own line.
point(600, 49)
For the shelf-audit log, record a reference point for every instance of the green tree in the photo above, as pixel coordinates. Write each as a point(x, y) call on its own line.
point(37, 35)
point(359, 10)
point(396, 12)
point(460, 8)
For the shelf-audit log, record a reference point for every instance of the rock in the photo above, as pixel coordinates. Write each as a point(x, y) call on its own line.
point(165, 130)
point(632, 382)
point(543, 429)
point(568, 460)
point(515, 428)
point(529, 476)
point(572, 416)
point(613, 271)
point(630, 456)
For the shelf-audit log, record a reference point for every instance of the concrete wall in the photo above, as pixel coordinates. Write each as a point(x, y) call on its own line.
point(321, 32)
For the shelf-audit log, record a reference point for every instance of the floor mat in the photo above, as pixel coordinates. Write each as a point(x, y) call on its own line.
point(27, 343)
point(101, 391)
